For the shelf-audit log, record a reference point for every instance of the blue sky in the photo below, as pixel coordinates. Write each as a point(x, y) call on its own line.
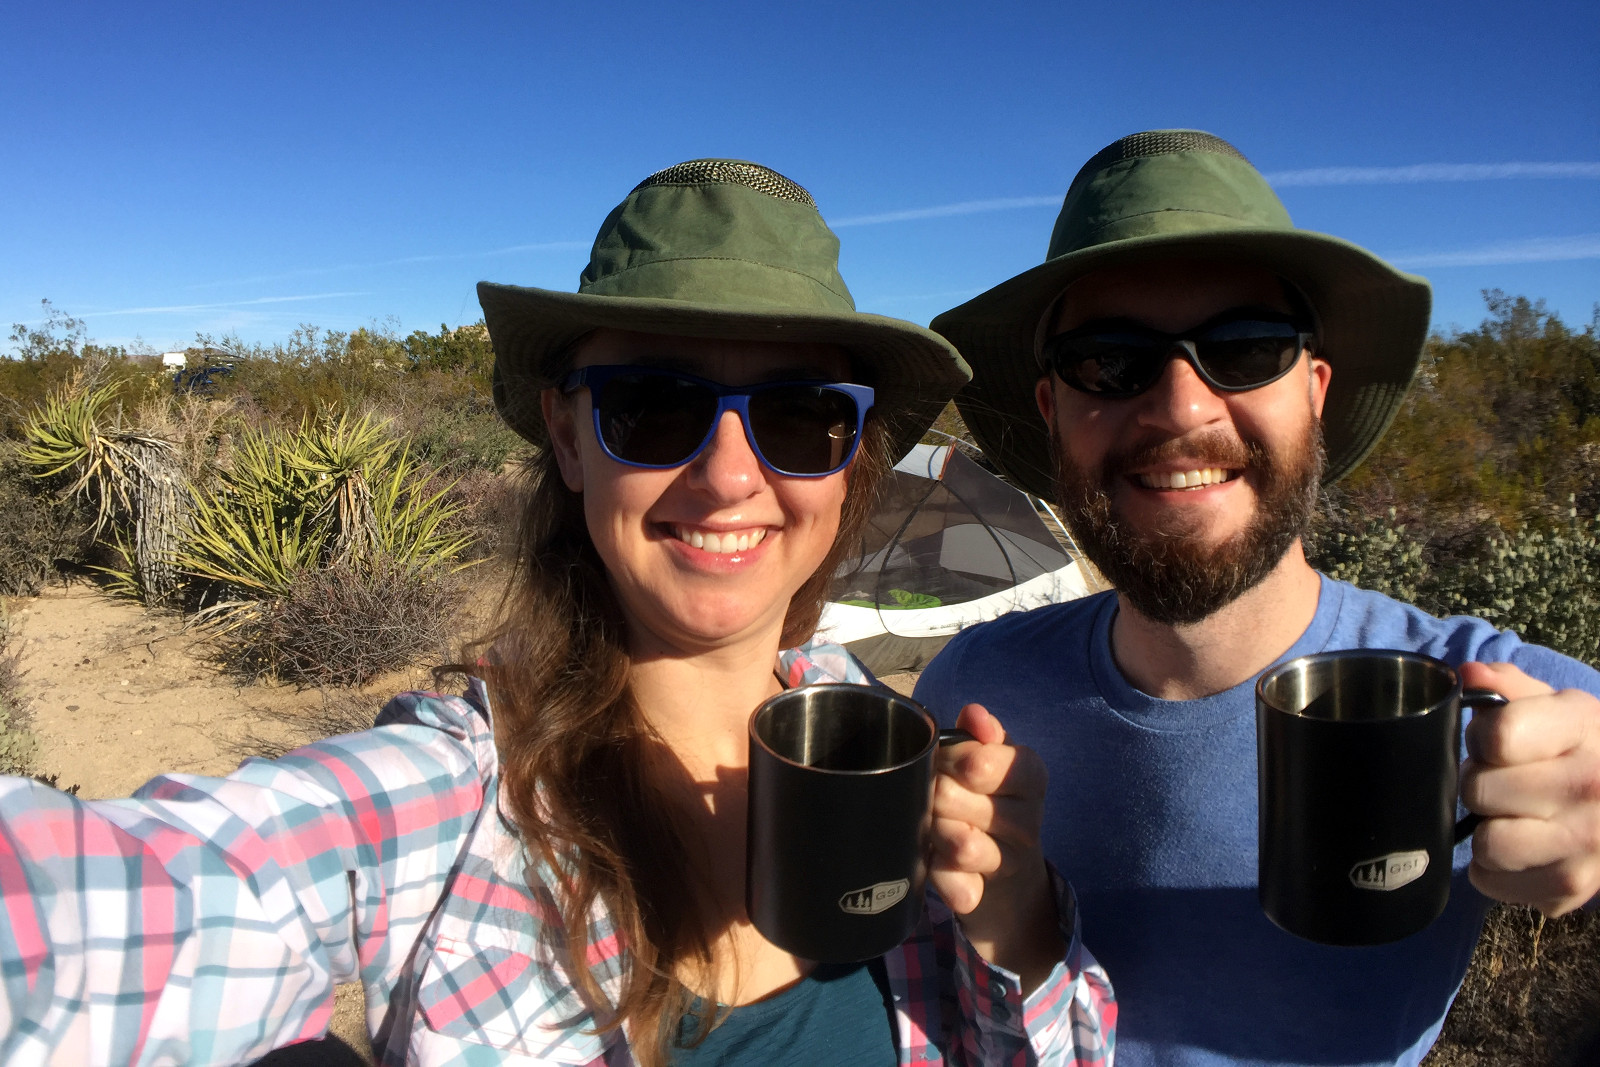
point(168, 169)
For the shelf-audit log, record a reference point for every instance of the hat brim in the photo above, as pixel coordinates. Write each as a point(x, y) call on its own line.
point(1372, 322)
point(914, 371)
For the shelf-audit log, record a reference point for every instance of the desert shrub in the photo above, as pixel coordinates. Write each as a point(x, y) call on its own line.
point(342, 625)
point(467, 436)
point(39, 529)
point(491, 505)
point(1503, 421)
point(1545, 584)
point(1539, 581)
point(1530, 981)
point(1375, 553)
point(18, 747)
point(464, 349)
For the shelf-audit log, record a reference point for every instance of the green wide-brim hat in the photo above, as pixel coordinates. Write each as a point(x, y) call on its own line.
point(716, 248)
point(1184, 194)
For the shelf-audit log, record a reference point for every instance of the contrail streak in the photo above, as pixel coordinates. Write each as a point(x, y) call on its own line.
point(1316, 176)
point(1533, 250)
point(1430, 172)
point(965, 207)
point(213, 307)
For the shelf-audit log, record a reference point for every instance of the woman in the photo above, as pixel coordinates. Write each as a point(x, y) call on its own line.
point(568, 888)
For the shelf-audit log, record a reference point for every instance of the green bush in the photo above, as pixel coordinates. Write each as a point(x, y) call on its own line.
point(1540, 582)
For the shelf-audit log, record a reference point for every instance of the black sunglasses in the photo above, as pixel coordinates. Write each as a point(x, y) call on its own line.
point(1234, 352)
point(658, 419)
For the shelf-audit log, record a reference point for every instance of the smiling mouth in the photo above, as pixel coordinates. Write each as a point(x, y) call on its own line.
point(720, 543)
point(1185, 479)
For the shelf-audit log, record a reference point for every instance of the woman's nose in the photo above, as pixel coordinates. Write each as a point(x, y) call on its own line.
point(728, 468)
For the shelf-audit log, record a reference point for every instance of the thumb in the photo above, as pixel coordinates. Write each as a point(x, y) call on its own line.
point(1503, 678)
point(976, 720)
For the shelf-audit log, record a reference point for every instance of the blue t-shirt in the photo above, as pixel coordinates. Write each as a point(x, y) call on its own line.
point(1152, 815)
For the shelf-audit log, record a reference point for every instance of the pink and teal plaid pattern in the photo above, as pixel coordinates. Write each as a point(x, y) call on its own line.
point(207, 920)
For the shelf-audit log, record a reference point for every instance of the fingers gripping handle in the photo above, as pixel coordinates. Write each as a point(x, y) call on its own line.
point(1475, 699)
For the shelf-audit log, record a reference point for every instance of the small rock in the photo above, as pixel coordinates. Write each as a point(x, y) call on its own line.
point(72, 707)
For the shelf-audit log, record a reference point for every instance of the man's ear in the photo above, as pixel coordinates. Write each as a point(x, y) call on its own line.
point(1044, 395)
point(1321, 373)
point(562, 421)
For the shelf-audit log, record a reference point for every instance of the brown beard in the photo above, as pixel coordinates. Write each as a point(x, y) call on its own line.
point(1168, 574)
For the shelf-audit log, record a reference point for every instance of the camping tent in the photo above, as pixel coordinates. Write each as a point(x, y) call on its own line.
point(948, 545)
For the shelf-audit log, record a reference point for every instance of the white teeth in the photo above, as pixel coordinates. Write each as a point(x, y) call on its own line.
point(721, 544)
point(1183, 479)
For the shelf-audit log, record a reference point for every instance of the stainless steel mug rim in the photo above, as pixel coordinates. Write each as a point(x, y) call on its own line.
point(889, 696)
point(1301, 663)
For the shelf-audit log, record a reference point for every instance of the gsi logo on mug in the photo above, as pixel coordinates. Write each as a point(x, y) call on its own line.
point(874, 898)
point(1391, 871)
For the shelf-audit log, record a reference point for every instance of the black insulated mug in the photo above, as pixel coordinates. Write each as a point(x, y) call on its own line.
point(1358, 757)
point(841, 800)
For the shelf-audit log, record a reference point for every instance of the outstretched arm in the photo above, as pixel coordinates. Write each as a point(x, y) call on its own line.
point(206, 920)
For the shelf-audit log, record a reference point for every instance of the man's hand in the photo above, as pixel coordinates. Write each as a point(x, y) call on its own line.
point(988, 864)
point(1533, 772)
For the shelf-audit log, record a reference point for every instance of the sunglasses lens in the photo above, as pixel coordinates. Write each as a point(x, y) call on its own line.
point(1108, 364)
point(1239, 354)
point(1242, 355)
point(654, 419)
point(804, 429)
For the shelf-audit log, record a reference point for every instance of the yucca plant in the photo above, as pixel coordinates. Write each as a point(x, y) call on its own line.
point(129, 478)
point(338, 492)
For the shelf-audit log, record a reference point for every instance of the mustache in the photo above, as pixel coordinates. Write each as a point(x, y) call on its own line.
point(1212, 448)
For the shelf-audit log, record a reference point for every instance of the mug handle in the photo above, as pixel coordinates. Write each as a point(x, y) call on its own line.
point(1476, 698)
point(953, 736)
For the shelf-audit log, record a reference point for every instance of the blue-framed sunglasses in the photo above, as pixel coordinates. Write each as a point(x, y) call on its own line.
point(656, 418)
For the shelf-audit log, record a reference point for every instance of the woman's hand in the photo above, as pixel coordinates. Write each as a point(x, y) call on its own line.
point(988, 864)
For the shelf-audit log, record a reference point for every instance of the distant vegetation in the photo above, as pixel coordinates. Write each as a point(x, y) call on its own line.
point(1483, 496)
point(310, 501)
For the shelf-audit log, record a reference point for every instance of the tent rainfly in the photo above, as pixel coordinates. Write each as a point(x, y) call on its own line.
point(948, 545)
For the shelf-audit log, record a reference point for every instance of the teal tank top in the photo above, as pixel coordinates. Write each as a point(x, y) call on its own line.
point(840, 1015)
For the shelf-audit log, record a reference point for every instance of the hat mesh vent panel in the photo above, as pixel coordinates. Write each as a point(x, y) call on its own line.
point(1156, 143)
point(730, 172)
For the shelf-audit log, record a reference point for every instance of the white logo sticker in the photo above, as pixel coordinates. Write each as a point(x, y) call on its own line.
point(1391, 871)
point(874, 898)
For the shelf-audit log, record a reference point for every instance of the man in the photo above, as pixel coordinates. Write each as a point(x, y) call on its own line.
point(1200, 367)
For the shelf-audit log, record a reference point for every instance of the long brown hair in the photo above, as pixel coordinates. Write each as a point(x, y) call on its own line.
point(574, 749)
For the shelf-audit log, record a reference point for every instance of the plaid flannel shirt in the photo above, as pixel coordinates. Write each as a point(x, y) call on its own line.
point(207, 920)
